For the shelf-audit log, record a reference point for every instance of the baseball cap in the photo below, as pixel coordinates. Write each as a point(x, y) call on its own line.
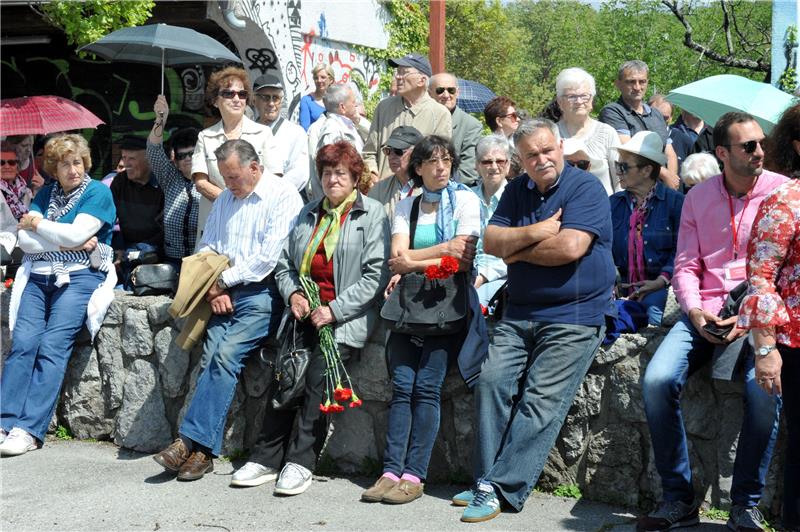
point(404, 137)
point(267, 80)
point(420, 62)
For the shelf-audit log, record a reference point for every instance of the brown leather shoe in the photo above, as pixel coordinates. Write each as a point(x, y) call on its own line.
point(405, 491)
point(198, 464)
point(173, 457)
point(378, 490)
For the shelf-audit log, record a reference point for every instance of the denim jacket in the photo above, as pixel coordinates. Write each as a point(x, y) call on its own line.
point(360, 266)
point(660, 231)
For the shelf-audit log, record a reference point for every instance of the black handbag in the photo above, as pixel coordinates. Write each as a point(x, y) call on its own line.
point(288, 364)
point(154, 279)
point(423, 307)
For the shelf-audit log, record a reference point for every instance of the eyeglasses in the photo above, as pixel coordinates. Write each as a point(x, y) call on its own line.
point(512, 116)
point(624, 168)
point(447, 161)
point(490, 162)
point(181, 155)
point(451, 90)
point(274, 98)
point(389, 151)
point(583, 164)
point(578, 98)
point(9, 162)
point(229, 94)
point(403, 73)
point(749, 146)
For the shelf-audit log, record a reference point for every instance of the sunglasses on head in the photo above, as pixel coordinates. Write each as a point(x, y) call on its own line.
point(229, 94)
point(9, 162)
point(749, 146)
point(451, 90)
point(181, 155)
point(388, 151)
point(583, 164)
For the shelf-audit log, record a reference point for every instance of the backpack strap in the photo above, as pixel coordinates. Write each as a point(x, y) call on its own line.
point(413, 220)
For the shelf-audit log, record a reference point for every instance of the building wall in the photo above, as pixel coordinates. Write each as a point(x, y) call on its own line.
point(785, 13)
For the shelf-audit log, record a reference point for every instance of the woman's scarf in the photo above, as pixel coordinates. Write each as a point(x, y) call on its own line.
point(327, 233)
point(14, 192)
point(59, 205)
point(636, 240)
point(446, 197)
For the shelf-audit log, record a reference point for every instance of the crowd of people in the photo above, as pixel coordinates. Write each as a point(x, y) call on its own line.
point(564, 229)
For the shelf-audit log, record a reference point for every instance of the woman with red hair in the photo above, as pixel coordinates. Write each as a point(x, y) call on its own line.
point(342, 243)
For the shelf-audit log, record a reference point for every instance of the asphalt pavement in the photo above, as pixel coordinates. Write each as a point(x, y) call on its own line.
point(72, 485)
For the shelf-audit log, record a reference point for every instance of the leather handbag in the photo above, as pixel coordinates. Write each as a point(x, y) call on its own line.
point(154, 279)
point(427, 307)
point(288, 365)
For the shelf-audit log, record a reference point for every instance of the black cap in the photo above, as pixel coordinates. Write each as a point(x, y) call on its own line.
point(267, 80)
point(132, 143)
point(404, 137)
point(420, 62)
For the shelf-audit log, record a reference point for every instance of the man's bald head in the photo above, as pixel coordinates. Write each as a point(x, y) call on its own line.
point(443, 88)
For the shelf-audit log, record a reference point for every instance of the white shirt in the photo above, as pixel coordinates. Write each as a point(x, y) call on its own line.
point(291, 153)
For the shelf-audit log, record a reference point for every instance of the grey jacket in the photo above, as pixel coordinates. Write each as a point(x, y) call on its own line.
point(467, 131)
point(360, 266)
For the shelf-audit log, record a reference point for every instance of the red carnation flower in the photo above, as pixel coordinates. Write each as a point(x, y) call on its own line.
point(324, 408)
point(356, 403)
point(342, 394)
point(449, 265)
point(336, 407)
point(8, 282)
point(432, 272)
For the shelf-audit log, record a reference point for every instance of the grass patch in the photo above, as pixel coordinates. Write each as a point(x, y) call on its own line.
point(236, 454)
point(62, 433)
point(569, 491)
point(716, 514)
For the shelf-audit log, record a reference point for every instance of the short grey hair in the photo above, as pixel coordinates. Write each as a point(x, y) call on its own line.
point(335, 94)
point(529, 127)
point(489, 143)
point(571, 78)
point(636, 65)
point(698, 167)
point(246, 152)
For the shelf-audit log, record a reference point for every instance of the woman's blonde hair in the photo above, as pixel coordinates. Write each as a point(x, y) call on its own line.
point(326, 67)
point(61, 146)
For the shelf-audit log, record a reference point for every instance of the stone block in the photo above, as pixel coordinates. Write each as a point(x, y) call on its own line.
point(348, 446)
point(158, 313)
point(173, 362)
point(111, 364)
point(626, 398)
point(83, 406)
point(613, 465)
point(370, 374)
point(137, 338)
point(141, 422)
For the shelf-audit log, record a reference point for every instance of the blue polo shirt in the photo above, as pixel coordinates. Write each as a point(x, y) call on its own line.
point(95, 201)
point(576, 293)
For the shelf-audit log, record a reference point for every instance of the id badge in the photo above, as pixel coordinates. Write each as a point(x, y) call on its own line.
point(735, 270)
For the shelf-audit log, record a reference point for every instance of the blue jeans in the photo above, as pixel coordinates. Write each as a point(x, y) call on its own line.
point(680, 354)
point(790, 377)
point(418, 367)
point(48, 321)
point(257, 309)
point(526, 387)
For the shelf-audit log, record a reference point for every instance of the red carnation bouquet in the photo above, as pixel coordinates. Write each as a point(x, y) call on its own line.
point(446, 268)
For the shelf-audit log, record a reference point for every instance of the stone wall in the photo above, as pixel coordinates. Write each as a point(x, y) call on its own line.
point(132, 385)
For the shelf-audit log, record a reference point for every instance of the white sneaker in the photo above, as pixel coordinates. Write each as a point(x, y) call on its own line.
point(293, 480)
point(18, 442)
point(253, 474)
point(3, 435)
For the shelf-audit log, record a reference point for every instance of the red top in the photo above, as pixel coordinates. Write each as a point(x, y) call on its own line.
point(322, 268)
point(773, 264)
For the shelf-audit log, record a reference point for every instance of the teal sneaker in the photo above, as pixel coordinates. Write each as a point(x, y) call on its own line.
point(463, 498)
point(484, 505)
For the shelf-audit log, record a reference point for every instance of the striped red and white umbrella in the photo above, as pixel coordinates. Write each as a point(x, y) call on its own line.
point(40, 115)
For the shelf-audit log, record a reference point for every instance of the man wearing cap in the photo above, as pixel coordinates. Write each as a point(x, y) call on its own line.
point(713, 237)
point(138, 199)
point(291, 142)
point(630, 114)
point(467, 130)
point(411, 107)
point(397, 150)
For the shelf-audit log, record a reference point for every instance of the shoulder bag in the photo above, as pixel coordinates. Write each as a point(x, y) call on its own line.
point(288, 365)
point(154, 279)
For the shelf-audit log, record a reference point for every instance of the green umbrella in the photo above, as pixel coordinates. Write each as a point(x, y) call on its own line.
point(160, 44)
point(712, 97)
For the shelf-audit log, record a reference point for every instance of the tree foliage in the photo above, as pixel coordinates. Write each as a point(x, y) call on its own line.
point(85, 22)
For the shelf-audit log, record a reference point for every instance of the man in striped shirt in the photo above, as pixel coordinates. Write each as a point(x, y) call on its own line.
point(248, 224)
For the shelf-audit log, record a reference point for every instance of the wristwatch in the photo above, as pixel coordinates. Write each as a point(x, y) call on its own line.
point(764, 350)
point(221, 283)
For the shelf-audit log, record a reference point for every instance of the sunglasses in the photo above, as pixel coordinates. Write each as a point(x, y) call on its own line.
point(451, 90)
point(490, 162)
point(181, 155)
point(388, 151)
point(583, 164)
point(9, 162)
point(512, 116)
point(274, 98)
point(624, 168)
point(229, 94)
point(749, 146)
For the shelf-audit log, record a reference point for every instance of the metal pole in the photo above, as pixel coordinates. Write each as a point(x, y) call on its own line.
point(162, 71)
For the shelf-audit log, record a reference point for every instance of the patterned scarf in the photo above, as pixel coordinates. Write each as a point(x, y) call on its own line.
point(60, 204)
point(14, 191)
point(446, 197)
point(636, 240)
point(327, 233)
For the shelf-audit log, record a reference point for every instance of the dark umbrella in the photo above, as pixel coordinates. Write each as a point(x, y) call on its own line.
point(473, 96)
point(160, 44)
